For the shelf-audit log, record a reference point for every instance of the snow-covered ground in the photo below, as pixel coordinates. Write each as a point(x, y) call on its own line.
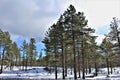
point(38, 73)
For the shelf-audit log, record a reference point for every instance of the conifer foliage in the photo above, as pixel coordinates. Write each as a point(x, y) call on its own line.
point(71, 28)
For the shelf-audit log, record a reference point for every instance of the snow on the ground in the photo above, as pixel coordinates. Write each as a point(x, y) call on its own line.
point(39, 73)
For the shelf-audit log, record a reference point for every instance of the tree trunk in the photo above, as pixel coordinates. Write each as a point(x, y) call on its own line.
point(55, 62)
point(73, 38)
point(83, 66)
point(89, 68)
point(111, 66)
point(55, 71)
point(2, 61)
point(11, 61)
point(16, 61)
point(23, 62)
point(63, 62)
point(107, 62)
point(79, 64)
point(111, 69)
point(26, 64)
point(86, 65)
point(89, 65)
point(83, 60)
point(96, 69)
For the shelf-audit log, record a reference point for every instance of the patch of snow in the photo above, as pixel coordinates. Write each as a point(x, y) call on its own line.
point(40, 73)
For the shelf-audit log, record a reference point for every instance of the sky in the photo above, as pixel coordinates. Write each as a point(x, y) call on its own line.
point(31, 18)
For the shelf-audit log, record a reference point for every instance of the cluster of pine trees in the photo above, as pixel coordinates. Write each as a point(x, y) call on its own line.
point(11, 55)
point(69, 43)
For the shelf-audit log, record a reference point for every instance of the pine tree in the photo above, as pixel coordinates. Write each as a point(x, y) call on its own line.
point(107, 47)
point(25, 51)
point(2, 44)
point(9, 51)
point(114, 33)
point(66, 31)
point(16, 54)
point(32, 52)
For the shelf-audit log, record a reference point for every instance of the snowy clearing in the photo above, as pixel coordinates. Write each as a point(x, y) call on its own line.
point(38, 73)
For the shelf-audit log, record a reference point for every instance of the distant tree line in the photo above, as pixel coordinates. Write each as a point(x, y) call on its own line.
point(11, 55)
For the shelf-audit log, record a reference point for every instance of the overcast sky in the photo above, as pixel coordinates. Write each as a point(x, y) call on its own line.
point(31, 18)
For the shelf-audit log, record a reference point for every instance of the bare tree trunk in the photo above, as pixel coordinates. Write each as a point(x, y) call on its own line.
point(111, 66)
point(86, 65)
point(11, 61)
point(16, 61)
point(63, 62)
point(83, 60)
point(2, 61)
point(26, 64)
point(118, 38)
point(55, 71)
point(23, 62)
point(89, 65)
point(89, 68)
point(96, 69)
point(107, 63)
point(55, 62)
point(75, 72)
point(79, 64)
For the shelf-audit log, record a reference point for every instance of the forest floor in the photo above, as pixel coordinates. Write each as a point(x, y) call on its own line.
point(39, 73)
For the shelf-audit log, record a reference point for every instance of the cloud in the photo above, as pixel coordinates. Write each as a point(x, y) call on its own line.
point(28, 18)
point(99, 12)
point(31, 18)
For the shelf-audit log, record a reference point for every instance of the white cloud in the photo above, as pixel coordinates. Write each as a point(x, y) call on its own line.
point(98, 12)
point(31, 18)
point(27, 18)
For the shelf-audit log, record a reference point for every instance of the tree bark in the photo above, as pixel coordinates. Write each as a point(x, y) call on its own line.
point(96, 69)
point(89, 68)
point(107, 63)
point(79, 64)
point(111, 66)
point(26, 64)
point(63, 62)
point(2, 61)
point(83, 59)
point(55, 62)
point(73, 38)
